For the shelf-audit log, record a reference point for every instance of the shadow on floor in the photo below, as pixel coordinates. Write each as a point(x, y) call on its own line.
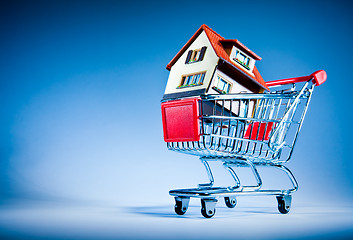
point(194, 211)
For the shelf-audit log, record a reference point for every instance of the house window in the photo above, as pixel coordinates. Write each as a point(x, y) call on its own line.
point(222, 86)
point(195, 55)
point(242, 59)
point(192, 80)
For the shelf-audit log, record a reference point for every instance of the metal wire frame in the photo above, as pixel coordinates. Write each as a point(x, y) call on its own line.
point(228, 126)
point(210, 192)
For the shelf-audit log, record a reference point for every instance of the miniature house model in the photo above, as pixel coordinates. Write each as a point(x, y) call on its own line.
point(210, 64)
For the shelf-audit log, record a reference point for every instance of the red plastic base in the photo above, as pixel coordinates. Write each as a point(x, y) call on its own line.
point(181, 120)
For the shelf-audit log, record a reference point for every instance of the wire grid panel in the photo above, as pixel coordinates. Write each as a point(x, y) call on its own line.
point(260, 127)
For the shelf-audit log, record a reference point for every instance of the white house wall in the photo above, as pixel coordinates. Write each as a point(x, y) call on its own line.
point(179, 69)
point(238, 107)
point(236, 87)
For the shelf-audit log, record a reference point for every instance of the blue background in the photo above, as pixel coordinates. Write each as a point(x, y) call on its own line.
point(81, 84)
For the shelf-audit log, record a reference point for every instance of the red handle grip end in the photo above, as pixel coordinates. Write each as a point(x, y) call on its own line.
point(319, 77)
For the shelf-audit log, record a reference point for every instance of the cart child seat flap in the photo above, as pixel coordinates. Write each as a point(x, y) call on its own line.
point(181, 120)
point(256, 132)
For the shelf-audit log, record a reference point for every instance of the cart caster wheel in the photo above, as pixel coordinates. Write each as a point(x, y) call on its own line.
point(231, 202)
point(284, 203)
point(208, 207)
point(181, 205)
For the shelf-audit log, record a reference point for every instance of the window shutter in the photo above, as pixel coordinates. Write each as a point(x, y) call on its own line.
point(202, 54)
point(188, 57)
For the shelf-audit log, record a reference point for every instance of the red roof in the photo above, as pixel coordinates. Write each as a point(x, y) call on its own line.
point(216, 42)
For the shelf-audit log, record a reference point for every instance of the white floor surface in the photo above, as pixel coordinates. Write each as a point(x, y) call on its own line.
point(62, 220)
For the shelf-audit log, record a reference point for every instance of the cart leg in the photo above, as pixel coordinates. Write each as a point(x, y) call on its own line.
point(256, 175)
point(209, 174)
point(208, 207)
point(229, 165)
point(234, 175)
point(291, 177)
point(181, 205)
point(284, 203)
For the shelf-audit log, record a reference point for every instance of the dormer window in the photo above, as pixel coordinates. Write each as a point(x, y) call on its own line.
point(195, 55)
point(243, 59)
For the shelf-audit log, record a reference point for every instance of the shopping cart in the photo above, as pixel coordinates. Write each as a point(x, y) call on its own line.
point(239, 130)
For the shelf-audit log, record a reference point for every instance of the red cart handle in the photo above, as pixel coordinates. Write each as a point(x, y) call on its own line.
point(318, 77)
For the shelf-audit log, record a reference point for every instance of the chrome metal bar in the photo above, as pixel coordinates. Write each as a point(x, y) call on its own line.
point(285, 117)
point(253, 169)
point(291, 177)
point(245, 119)
point(301, 121)
point(241, 190)
point(221, 192)
point(290, 95)
point(234, 175)
point(209, 174)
